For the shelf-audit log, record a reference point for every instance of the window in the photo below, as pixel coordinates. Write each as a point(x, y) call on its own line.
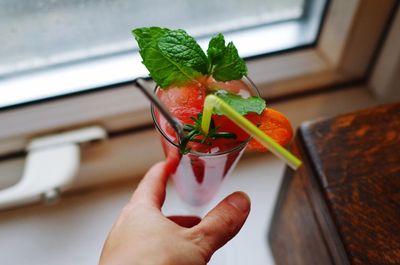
point(88, 44)
point(43, 33)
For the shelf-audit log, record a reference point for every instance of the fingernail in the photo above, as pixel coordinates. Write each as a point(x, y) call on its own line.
point(240, 200)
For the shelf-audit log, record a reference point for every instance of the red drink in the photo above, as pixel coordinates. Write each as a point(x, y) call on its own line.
point(199, 173)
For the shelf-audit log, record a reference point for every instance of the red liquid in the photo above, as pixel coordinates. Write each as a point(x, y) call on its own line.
point(198, 175)
point(197, 178)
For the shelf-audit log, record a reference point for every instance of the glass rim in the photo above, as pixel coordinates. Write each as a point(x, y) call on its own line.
point(238, 147)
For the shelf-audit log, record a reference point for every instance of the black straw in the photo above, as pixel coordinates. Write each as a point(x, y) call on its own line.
point(175, 123)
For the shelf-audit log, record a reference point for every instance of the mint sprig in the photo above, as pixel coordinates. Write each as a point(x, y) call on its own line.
point(194, 133)
point(174, 57)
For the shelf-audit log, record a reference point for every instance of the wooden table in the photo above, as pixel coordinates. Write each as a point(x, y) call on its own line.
point(343, 205)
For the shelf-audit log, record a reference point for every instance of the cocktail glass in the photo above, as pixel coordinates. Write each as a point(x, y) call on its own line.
point(198, 176)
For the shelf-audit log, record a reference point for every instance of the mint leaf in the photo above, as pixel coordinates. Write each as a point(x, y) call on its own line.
point(148, 36)
point(164, 67)
point(240, 104)
point(216, 50)
point(166, 72)
point(230, 66)
point(183, 49)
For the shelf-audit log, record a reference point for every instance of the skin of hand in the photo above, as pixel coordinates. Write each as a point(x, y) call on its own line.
point(143, 235)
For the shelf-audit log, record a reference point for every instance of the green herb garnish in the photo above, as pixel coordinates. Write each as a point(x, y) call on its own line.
point(225, 61)
point(174, 57)
point(193, 133)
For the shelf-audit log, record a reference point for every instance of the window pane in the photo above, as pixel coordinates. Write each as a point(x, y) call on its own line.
point(41, 33)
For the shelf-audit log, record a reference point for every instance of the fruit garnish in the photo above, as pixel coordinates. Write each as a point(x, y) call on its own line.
point(233, 86)
point(174, 58)
point(186, 103)
point(274, 124)
point(183, 102)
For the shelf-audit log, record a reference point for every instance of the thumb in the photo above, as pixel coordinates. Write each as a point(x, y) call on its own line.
point(222, 223)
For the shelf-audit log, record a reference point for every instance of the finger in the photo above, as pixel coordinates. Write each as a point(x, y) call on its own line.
point(185, 221)
point(151, 190)
point(222, 223)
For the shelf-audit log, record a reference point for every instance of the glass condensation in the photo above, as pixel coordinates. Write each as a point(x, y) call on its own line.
point(40, 33)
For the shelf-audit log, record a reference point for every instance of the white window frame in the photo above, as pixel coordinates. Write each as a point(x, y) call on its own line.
point(346, 47)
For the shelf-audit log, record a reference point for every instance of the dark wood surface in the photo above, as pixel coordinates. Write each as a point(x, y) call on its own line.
point(343, 205)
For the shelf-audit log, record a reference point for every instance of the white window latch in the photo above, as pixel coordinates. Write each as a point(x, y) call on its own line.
point(51, 164)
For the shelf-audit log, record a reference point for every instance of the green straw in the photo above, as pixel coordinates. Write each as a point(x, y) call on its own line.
point(213, 101)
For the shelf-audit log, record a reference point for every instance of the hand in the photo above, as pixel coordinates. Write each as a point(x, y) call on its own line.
point(143, 235)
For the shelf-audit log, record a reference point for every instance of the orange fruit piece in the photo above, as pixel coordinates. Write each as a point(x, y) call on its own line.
point(274, 124)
